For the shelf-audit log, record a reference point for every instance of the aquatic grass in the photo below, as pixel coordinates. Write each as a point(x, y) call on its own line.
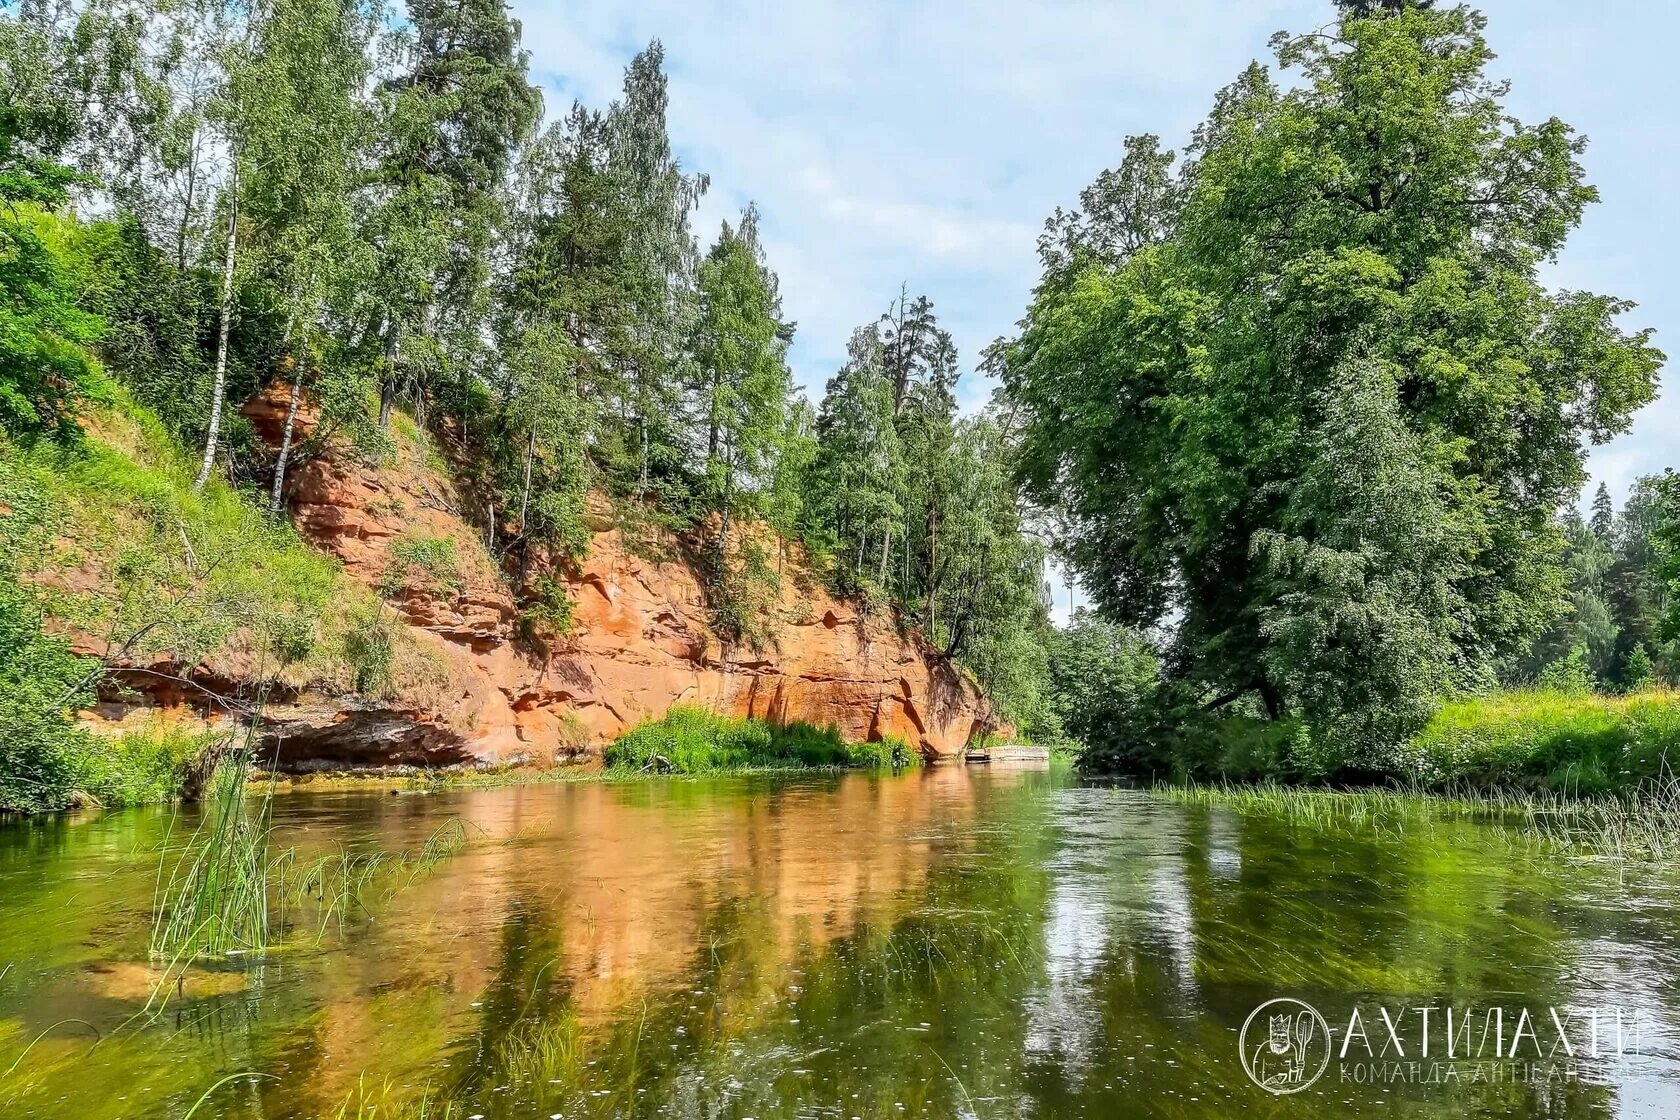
point(344, 882)
point(385, 1104)
point(215, 899)
point(1640, 825)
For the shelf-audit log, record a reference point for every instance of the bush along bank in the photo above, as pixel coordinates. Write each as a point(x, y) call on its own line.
point(690, 740)
point(1533, 739)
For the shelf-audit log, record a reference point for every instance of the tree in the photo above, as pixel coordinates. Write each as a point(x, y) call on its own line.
point(45, 371)
point(560, 328)
point(1667, 541)
point(740, 348)
point(1365, 9)
point(305, 138)
point(449, 125)
point(859, 471)
point(1351, 259)
point(1603, 513)
point(653, 201)
point(1102, 679)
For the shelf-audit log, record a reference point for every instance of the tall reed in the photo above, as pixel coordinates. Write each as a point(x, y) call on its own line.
point(215, 900)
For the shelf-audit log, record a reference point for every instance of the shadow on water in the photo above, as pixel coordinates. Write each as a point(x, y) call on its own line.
point(944, 943)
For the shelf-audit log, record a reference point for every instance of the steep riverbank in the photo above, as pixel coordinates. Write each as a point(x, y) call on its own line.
point(401, 641)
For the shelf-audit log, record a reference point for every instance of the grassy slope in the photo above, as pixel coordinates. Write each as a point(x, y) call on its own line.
point(124, 553)
point(1579, 743)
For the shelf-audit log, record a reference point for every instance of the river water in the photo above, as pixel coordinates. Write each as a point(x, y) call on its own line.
point(950, 942)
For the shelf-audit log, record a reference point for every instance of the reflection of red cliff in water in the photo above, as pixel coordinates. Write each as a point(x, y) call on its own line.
point(619, 891)
point(640, 641)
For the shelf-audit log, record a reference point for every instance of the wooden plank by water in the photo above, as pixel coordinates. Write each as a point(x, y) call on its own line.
point(1014, 752)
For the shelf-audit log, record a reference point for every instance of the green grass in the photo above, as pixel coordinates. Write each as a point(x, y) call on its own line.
point(1552, 740)
point(690, 740)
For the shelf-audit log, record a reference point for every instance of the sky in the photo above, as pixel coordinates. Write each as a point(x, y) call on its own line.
point(925, 143)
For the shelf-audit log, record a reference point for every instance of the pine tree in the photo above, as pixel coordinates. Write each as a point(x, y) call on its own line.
point(859, 470)
point(1603, 513)
point(740, 348)
point(449, 126)
point(656, 198)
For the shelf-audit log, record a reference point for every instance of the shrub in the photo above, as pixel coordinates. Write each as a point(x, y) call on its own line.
point(691, 740)
point(368, 649)
point(548, 610)
point(147, 765)
point(41, 685)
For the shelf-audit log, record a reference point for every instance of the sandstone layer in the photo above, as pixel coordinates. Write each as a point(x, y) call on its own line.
point(640, 641)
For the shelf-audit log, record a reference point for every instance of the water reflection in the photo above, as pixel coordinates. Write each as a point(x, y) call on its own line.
point(952, 942)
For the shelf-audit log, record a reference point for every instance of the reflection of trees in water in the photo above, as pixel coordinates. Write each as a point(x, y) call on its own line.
point(1262, 908)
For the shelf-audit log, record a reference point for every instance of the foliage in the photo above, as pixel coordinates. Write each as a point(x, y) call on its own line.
point(158, 761)
point(690, 740)
point(548, 609)
point(45, 370)
point(1102, 684)
point(1307, 403)
point(41, 684)
point(1611, 638)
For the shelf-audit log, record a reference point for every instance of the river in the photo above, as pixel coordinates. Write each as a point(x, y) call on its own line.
point(948, 942)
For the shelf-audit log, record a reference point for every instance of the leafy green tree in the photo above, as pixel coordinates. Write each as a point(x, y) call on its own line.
point(45, 370)
point(1353, 258)
point(1102, 681)
point(1589, 623)
point(1638, 597)
point(989, 606)
point(306, 134)
point(1364, 9)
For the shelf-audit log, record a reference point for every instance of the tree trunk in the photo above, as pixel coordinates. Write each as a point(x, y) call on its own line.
point(274, 500)
point(886, 551)
point(524, 508)
point(216, 387)
point(388, 378)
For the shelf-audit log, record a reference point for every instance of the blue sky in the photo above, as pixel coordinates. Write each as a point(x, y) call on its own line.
point(925, 143)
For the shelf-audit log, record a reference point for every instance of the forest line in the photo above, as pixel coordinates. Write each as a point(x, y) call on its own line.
point(1292, 404)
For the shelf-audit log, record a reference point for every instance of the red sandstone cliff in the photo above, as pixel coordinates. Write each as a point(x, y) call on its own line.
point(640, 642)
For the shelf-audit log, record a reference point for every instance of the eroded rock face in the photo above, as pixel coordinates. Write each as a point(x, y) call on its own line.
point(640, 641)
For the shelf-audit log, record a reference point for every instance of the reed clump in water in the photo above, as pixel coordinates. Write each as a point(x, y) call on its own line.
point(227, 891)
point(215, 900)
point(1641, 824)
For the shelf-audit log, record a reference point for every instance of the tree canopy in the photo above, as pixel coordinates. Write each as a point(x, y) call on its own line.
point(1300, 395)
